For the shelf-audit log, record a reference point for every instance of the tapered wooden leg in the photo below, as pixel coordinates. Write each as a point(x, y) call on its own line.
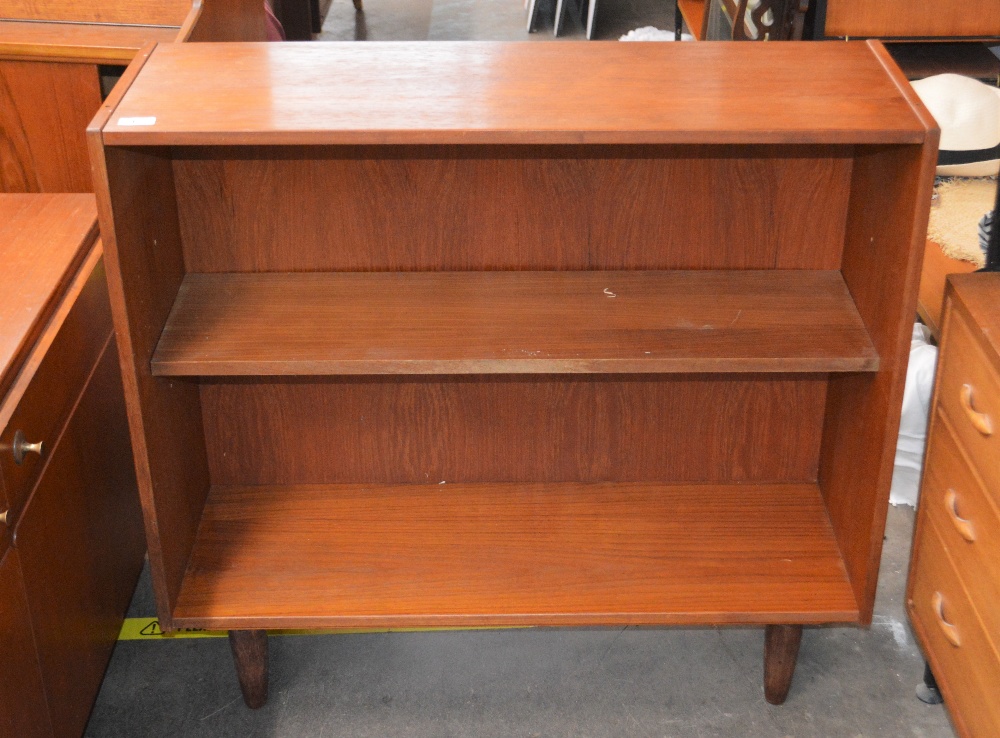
point(250, 654)
point(781, 649)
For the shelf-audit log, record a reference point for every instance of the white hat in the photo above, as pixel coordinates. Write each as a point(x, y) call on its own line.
point(968, 113)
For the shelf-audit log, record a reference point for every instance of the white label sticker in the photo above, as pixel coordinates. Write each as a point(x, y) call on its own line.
point(146, 121)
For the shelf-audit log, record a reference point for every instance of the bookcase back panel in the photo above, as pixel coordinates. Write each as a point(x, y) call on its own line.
point(482, 207)
point(553, 428)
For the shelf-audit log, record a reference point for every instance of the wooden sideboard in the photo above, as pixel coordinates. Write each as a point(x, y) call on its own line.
point(71, 542)
point(440, 342)
point(954, 587)
point(51, 58)
point(908, 18)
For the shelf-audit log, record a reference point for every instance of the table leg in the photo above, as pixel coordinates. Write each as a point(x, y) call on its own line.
point(781, 649)
point(250, 655)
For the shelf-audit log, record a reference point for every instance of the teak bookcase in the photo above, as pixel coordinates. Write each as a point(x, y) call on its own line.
point(494, 334)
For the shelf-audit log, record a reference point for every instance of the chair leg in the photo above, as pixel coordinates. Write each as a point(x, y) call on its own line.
point(557, 23)
point(532, 15)
point(358, 7)
point(781, 649)
point(249, 649)
point(591, 12)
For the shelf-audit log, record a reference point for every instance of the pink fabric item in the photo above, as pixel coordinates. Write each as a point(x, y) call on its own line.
point(274, 30)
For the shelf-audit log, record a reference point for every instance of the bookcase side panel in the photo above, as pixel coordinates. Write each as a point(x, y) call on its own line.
point(141, 238)
point(886, 230)
point(524, 207)
point(677, 428)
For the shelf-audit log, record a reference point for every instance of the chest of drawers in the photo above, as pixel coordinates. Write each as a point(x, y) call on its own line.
point(71, 543)
point(954, 591)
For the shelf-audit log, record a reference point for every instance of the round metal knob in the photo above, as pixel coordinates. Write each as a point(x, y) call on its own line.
point(3, 517)
point(22, 448)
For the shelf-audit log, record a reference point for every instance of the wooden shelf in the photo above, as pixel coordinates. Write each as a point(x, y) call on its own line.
point(506, 554)
point(513, 322)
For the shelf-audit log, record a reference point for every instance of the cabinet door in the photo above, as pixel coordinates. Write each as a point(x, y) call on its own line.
point(81, 547)
point(23, 710)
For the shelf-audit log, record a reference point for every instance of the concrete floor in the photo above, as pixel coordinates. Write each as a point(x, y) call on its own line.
point(508, 683)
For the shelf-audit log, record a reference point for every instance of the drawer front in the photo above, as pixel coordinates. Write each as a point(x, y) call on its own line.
point(969, 524)
point(53, 390)
point(969, 392)
point(24, 711)
point(81, 547)
point(969, 672)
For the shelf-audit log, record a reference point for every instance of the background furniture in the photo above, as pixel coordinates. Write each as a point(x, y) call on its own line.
point(52, 56)
point(928, 36)
point(741, 20)
point(954, 588)
point(71, 543)
point(632, 360)
point(933, 280)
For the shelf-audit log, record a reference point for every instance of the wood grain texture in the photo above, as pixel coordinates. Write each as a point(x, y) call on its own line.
point(561, 555)
point(24, 711)
point(46, 391)
point(139, 12)
point(886, 234)
point(81, 546)
point(933, 274)
point(44, 111)
point(512, 323)
point(955, 548)
point(968, 364)
point(976, 294)
point(694, 15)
point(78, 42)
point(950, 470)
point(137, 209)
point(493, 207)
point(43, 240)
point(225, 20)
point(781, 649)
point(249, 649)
point(967, 674)
point(482, 92)
point(912, 18)
point(727, 428)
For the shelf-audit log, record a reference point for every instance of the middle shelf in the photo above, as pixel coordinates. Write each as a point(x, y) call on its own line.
point(241, 324)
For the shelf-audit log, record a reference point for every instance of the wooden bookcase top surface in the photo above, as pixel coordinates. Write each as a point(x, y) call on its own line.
point(518, 93)
point(513, 322)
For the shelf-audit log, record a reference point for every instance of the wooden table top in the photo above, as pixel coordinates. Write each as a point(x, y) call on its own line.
point(519, 93)
point(43, 240)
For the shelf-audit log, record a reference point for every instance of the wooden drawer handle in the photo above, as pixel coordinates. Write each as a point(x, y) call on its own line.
point(980, 421)
point(963, 526)
point(949, 630)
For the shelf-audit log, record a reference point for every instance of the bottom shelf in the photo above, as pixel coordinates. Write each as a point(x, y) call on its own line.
point(513, 554)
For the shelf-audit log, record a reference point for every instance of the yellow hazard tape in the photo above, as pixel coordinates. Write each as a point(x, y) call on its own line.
point(148, 629)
